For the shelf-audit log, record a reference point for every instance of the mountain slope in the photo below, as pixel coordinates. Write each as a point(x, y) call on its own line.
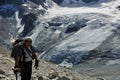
point(46, 70)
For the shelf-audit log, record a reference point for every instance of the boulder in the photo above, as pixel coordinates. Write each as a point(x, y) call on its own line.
point(40, 78)
point(53, 74)
point(63, 78)
point(2, 72)
point(118, 7)
point(2, 77)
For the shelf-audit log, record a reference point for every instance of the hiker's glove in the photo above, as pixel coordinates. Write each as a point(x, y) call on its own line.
point(36, 64)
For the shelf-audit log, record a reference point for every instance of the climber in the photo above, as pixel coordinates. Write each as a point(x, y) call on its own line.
point(23, 54)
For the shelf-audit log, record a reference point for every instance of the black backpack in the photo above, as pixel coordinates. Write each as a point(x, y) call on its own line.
point(16, 44)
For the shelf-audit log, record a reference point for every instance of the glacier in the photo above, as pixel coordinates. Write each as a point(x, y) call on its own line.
point(68, 34)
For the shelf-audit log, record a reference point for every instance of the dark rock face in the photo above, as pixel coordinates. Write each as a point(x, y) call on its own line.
point(75, 27)
point(38, 1)
point(118, 7)
point(29, 14)
point(88, 1)
point(8, 10)
point(58, 1)
point(29, 23)
point(30, 7)
point(2, 2)
point(8, 7)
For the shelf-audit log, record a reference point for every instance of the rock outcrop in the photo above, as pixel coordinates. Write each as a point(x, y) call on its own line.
point(72, 1)
point(88, 1)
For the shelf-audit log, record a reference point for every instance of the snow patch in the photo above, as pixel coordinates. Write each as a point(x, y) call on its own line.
point(24, 4)
point(112, 62)
point(66, 64)
point(18, 25)
point(40, 7)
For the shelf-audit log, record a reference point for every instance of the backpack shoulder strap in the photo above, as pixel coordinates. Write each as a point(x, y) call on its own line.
point(23, 53)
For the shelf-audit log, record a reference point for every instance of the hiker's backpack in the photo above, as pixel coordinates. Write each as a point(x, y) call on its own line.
point(16, 44)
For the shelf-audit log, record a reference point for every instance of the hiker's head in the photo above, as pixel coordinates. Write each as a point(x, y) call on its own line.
point(28, 42)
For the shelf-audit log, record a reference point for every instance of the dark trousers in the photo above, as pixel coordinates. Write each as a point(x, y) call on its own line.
point(26, 70)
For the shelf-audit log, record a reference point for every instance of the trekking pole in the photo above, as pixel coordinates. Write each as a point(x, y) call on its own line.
point(16, 72)
point(16, 75)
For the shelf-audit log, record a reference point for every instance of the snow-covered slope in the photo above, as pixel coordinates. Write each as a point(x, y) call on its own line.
point(84, 38)
point(68, 34)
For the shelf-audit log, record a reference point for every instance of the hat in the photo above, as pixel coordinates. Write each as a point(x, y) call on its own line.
point(28, 39)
